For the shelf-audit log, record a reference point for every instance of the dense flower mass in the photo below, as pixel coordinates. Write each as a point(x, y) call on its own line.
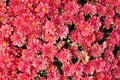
point(59, 39)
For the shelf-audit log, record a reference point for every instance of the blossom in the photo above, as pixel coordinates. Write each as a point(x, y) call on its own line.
point(109, 55)
point(101, 10)
point(107, 22)
point(64, 56)
point(18, 39)
point(51, 38)
point(34, 45)
point(86, 29)
point(71, 8)
point(62, 31)
point(50, 27)
point(42, 9)
point(49, 50)
point(75, 36)
point(102, 76)
point(118, 8)
point(6, 30)
point(89, 9)
point(95, 22)
point(59, 39)
point(96, 50)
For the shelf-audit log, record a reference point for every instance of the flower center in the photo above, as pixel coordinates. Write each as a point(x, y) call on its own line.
point(4, 43)
point(5, 60)
point(43, 9)
point(86, 28)
point(33, 23)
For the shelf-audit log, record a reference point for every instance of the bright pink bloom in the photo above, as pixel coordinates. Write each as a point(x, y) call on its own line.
point(96, 50)
point(18, 39)
point(86, 29)
point(95, 22)
point(89, 39)
point(99, 35)
point(62, 31)
point(50, 27)
point(42, 9)
point(75, 36)
point(6, 30)
point(71, 8)
point(102, 76)
point(34, 45)
point(49, 50)
point(101, 10)
point(108, 22)
point(64, 56)
point(118, 8)
point(51, 38)
point(108, 55)
point(89, 9)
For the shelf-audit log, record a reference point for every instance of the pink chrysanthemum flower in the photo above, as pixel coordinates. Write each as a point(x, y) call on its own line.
point(49, 50)
point(3, 45)
point(64, 56)
point(86, 29)
point(18, 39)
point(96, 50)
point(2, 6)
point(75, 36)
point(89, 9)
point(6, 30)
point(89, 39)
point(50, 27)
point(109, 55)
point(71, 8)
point(118, 8)
point(34, 46)
point(50, 38)
point(99, 35)
point(108, 22)
point(62, 31)
point(101, 10)
point(42, 9)
point(95, 22)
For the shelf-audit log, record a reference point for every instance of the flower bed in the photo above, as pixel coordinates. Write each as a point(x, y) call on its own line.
point(59, 39)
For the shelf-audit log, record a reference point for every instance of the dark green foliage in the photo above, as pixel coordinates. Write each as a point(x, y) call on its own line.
point(60, 70)
point(91, 58)
point(71, 26)
point(86, 17)
point(82, 2)
point(80, 48)
point(7, 2)
point(57, 62)
point(74, 60)
point(68, 78)
point(42, 73)
point(59, 65)
point(67, 42)
point(116, 48)
point(24, 47)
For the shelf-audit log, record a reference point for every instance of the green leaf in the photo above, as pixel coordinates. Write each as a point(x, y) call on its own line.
point(42, 73)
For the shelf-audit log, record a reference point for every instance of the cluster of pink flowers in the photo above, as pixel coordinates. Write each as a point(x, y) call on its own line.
point(59, 39)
